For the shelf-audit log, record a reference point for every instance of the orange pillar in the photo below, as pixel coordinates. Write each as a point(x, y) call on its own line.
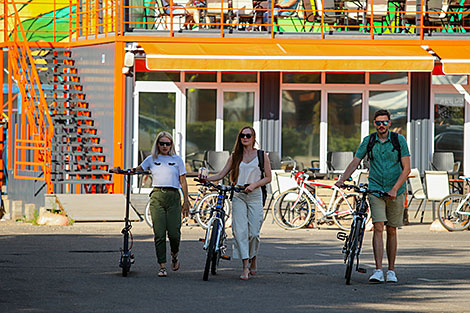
point(119, 109)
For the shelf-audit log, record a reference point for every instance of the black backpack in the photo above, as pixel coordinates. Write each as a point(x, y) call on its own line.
point(261, 167)
point(393, 139)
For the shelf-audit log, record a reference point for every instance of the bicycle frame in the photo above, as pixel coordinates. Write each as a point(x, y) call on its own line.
point(305, 185)
point(220, 216)
point(359, 219)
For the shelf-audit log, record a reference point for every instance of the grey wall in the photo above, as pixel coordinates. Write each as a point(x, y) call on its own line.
point(269, 110)
point(96, 69)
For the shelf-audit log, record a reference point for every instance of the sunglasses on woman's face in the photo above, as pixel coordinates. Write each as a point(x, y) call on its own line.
point(384, 123)
point(164, 143)
point(242, 135)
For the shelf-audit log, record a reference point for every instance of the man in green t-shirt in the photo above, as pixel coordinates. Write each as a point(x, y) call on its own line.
point(389, 169)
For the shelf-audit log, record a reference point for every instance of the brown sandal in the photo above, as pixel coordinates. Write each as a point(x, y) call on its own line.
point(175, 263)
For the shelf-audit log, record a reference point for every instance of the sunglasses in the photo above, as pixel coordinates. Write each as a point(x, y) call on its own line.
point(248, 136)
point(164, 143)
point(384, 123)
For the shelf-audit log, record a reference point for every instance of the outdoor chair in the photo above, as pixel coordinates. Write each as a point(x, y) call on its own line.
point(215, 161)
point(163, 14)
point(330, 13)
point(436, 12)
point(214, 10)
point(377, 12)
point(243, 10)
point(444, 161)
point(337, 162)
point(280, 182)
point(437, 187)
point(274, 160)
point(417, 191)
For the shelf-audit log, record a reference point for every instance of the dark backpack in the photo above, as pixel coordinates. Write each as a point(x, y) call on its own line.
point(261, 167)
point(393, 139)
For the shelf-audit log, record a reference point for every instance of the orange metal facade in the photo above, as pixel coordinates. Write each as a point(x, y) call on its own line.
point(91, 22)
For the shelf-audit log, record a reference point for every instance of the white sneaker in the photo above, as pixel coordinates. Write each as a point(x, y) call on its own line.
point(377, 276)
point(391, 277)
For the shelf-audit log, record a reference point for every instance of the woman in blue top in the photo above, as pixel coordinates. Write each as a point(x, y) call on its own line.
point(168, 175)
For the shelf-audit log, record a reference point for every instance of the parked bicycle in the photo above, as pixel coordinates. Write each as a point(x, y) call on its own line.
point(215, 239)
point(127, 257)
point(294, 209)
point(202, 203)
point(353, 243)
point(454, 210)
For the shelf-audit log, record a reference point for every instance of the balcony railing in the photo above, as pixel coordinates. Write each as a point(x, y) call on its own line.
point(74, 20)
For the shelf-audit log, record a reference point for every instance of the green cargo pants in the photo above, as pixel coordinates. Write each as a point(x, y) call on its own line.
point(165, 207)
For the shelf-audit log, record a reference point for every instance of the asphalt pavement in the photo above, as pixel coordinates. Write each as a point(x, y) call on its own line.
point(75, 269)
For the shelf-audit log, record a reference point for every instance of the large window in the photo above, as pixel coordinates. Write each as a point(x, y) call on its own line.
point(344, 121)
point(301, 125)
point(396, 102)
point(238, 112)
point(200, 125)
point(156, 114)
point(448, 124)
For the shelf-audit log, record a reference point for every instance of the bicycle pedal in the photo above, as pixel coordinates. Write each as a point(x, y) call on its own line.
point(202, 240)
point(226, 257)
point(341, 236)
point(362, 270)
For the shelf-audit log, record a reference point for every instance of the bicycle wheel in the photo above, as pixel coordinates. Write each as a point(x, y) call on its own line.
point(203, 209)
point(351, 251)
point(291, 211)
point(451, 216)
point(211, 250)
point(148, 215)
point(343, 211)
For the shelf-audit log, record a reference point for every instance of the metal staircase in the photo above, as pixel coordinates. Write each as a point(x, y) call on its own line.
point(78, 162)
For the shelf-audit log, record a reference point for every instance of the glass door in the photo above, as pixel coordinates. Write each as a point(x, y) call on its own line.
point(156, 109)
point(344, 121)
point(238, 107)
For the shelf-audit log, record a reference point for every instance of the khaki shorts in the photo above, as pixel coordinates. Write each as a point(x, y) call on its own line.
point(387, 210)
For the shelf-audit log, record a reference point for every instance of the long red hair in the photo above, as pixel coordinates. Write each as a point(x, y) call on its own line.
point(237, 155)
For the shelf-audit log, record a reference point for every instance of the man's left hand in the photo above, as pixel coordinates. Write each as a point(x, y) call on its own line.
point(392, 193)
point(185, 209)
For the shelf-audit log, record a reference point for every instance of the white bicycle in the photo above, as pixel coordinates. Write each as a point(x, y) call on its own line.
point(294, 209)
point(454, 210)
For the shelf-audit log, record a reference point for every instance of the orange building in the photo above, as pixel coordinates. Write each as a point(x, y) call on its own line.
point(306, 74)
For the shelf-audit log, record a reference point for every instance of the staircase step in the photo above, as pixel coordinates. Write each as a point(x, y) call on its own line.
point(96, 181)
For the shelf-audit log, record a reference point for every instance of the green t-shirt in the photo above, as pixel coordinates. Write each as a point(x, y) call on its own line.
point(384, 167)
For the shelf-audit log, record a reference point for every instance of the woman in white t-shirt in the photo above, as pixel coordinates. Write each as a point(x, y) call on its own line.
point(168, 175)
point(247, 208)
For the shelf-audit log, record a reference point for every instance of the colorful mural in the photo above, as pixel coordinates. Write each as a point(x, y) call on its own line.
point(40, 18)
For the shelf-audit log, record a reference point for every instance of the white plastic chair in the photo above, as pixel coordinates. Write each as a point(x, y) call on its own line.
point(437, 187)
point(417, 191)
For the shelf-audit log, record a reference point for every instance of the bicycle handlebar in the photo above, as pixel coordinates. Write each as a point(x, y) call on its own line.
point(235, 188)
point(129, 171)
point(364, 190)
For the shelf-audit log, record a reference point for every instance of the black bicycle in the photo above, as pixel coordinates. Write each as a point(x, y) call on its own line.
point(353, 243)
point(215, 239)
point(127, 257)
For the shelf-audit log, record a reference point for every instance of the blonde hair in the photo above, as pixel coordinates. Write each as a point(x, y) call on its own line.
point(156, 150)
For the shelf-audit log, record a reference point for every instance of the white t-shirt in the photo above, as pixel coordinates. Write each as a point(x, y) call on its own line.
point(166, 170)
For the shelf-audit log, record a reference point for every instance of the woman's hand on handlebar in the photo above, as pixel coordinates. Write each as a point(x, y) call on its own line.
point(115, 170)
